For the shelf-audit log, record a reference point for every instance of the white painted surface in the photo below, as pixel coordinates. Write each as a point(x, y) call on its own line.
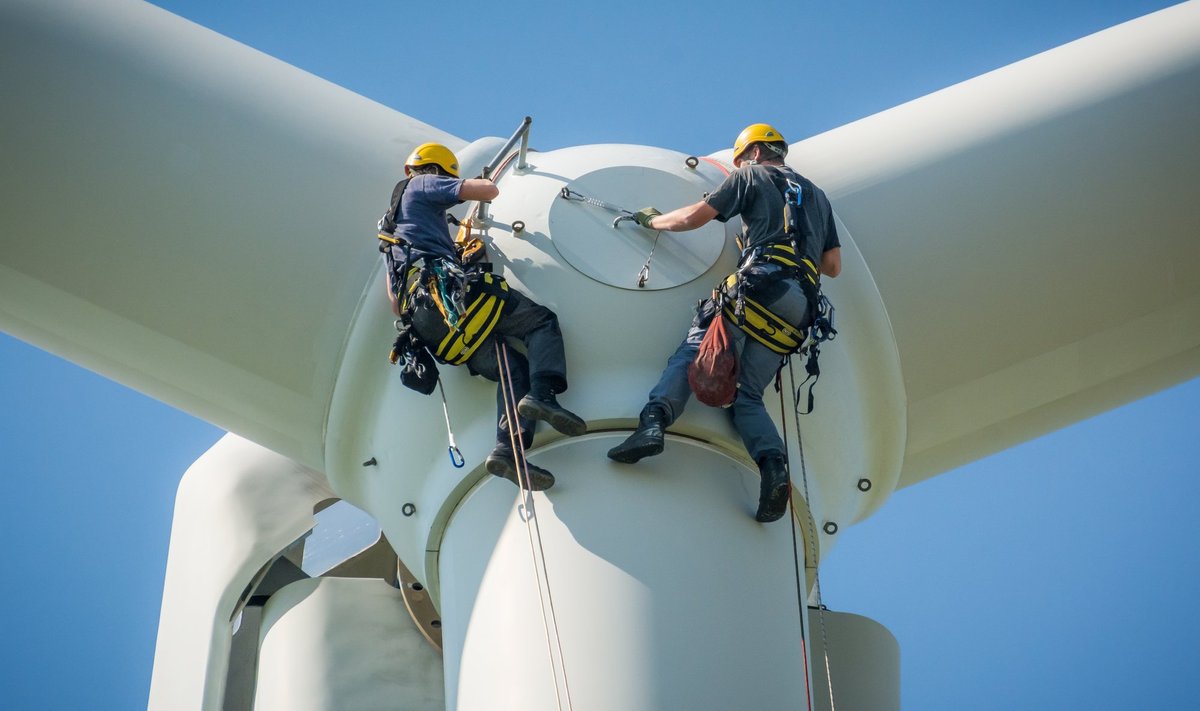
point(580, 231)
point(344, 643)
point(187, 215)
point(617, 340)
point(665, 591)
point(1033, 233)
point(863, 661)
point(1010, 174)
point(985, 214)
point(238, 506)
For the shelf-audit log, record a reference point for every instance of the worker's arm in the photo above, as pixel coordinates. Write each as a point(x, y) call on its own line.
point(392, 295)
point(478, 189)
point(831, 262)
point(688, 217)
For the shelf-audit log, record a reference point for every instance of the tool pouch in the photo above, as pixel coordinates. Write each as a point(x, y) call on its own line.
point(418, 371)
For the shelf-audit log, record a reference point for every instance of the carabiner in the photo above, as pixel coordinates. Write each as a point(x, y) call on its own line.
point(456, 457)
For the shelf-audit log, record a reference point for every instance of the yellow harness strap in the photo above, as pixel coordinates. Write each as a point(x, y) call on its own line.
point(785, 255)
point(765, 327)
point(759, 322)
point(476, 324)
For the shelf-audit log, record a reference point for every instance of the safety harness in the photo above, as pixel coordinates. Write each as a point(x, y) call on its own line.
point(735, 294)
point(468, 297)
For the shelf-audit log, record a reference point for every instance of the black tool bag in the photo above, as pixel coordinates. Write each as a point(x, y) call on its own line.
point(418, 371)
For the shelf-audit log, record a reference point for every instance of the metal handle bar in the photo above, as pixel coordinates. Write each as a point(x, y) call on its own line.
point(521, 134)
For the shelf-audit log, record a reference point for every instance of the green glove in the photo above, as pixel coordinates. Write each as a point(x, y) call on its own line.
point(644, 215)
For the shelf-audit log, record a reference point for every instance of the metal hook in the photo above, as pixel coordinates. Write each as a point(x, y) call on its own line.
point(643, 275)
point(456, 457)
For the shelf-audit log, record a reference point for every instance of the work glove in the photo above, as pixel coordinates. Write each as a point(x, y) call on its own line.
point(644, 215)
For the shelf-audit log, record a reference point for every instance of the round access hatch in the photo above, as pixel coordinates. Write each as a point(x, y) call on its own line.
point(584, 235)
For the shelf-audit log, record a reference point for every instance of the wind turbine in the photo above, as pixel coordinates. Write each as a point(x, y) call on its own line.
point(920, 412)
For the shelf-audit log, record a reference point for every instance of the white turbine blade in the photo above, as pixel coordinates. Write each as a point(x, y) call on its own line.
point(187, 215)
point(1035, 235)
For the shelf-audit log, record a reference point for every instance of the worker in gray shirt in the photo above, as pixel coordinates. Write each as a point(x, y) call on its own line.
point(772, 273)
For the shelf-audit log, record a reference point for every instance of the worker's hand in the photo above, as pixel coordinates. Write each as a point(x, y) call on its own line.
point(644, 215)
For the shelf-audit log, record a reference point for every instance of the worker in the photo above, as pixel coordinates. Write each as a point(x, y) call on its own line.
point(421, 241)
point(756, 192)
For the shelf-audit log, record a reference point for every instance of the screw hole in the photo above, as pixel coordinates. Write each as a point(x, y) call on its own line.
point(830, 528)
point(408, 509)
point(864, 484)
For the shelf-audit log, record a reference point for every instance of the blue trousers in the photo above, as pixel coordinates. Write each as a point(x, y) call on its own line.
point(757, 367)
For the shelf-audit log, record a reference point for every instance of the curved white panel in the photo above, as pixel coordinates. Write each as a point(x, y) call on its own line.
point(658, 578)
point(1033, 235)
point(187, 215)
point(238, 506)
point(861, 657)
point(617, 340)
point(344, 643)
point(586, 237)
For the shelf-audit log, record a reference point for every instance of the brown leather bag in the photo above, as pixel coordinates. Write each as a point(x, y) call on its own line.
point(713, 374)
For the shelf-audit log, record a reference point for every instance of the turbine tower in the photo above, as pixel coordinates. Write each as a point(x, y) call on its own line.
point(227, 274)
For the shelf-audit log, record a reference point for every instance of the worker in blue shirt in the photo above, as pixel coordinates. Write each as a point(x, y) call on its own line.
point(418, 223)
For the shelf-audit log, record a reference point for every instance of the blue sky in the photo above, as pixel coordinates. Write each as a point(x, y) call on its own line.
point(1060, 574)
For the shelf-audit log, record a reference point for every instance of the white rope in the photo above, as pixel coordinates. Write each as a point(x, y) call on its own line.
point(812, 538)
point(801, 596)
point(525, 500)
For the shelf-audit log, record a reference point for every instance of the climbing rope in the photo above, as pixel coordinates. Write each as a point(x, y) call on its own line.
point(533, 530)
point(811, 552)
point(793, 519)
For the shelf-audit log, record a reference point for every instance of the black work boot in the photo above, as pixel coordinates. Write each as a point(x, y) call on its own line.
point(542, 405)
point(646, 440)
point(773, 491)
point(502, 462)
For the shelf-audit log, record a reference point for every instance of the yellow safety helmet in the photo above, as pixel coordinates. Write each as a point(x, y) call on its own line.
point(434, 153)
point(755, 133)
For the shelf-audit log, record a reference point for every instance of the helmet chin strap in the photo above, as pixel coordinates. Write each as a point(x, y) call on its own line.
point(775, 149)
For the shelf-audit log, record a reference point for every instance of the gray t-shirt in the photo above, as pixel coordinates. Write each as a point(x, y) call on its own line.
point(756, 193)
